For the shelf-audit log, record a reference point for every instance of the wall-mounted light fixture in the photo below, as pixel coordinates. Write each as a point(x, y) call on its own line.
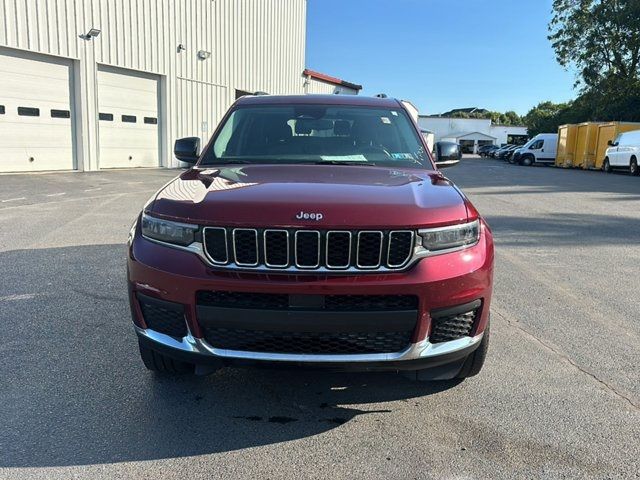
point(181, 48)
point(203, 54)
point(93, 33)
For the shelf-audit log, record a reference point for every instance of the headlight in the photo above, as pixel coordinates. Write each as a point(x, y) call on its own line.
point(166, 231)
point(453, 237)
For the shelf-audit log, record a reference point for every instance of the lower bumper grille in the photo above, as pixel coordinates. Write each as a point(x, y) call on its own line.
point(453, 323)
point(307, 342)
point(162, 316)
point(307, 324)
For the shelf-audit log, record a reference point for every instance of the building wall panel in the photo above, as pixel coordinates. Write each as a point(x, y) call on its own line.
point(315, 86)
point(254, 45)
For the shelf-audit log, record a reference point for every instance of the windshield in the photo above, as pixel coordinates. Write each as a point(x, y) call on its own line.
point(318, 134)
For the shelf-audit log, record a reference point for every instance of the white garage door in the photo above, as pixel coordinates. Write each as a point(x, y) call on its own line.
point(128, 119)
point(35, 113)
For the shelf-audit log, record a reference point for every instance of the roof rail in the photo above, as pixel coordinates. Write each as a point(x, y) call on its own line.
point(259, 93)
point(381, 95)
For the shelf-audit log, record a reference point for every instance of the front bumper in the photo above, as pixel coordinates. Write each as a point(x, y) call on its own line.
point(417, 356)
point(439, 282)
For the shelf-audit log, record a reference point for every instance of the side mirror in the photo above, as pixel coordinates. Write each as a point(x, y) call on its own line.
point(611, 143)
point(447, 154)
point(187, 149)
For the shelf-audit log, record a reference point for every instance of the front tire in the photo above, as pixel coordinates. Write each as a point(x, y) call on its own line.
point(527, 160)
point(475, 361)
point(633, 167)
point(156, 362)
point(606, 166)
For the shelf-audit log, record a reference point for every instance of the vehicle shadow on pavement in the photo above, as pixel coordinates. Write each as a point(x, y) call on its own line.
point(74, 391)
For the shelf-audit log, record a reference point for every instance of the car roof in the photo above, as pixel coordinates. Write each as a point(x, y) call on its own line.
point(630, 133)
point(355, 100)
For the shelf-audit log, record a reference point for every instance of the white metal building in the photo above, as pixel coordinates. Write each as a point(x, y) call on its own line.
point(471, 132)
point(91, 84)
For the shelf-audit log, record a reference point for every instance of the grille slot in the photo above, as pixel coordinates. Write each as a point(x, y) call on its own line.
point(400, 246)
point(307, 249)
point(216, 244)
point(276, 248)
point(453, 326)
point(245, 247)
point(338, 249)
point(274, 301)
point(300, 250)
point(280, 301)
point(369, 249)
point(307, 342)
point(162, 316)
point(370, 302)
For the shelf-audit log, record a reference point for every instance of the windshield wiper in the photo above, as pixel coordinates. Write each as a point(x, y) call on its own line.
point(345, 162)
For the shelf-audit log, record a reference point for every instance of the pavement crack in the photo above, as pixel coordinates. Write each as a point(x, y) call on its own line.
point(548, 346)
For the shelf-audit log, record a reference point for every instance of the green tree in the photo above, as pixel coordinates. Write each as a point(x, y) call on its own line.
point(508, 118)
point(546, 117)
point(512, 118)
point(600, 38)
point(460, 115)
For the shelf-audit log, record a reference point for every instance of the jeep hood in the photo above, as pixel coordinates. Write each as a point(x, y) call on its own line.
point(346, 197)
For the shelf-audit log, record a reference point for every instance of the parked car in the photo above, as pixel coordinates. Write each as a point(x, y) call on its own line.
point(498, 152)
point(515, 156)
point(540, 149)
point(484, 150)
point(494, 153)
point(509, 154)
point(312, 231)
point(623, 153)
point(501, 154)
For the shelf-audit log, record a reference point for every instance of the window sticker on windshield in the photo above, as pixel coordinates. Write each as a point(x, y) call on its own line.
point(349, 158)
point(385, 119)
point(394, 113)
point(402, 156)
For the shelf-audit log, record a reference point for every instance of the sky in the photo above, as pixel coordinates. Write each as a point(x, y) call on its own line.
point(440, 54)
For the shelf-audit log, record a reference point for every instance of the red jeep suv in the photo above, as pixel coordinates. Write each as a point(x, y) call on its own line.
point(312, 231)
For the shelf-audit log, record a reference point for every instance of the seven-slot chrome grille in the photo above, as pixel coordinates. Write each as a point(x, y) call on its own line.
point(308, 249)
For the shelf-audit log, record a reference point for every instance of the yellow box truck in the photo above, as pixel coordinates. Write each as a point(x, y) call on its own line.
point(586, 142)
point(566, 145)
point(609, 131)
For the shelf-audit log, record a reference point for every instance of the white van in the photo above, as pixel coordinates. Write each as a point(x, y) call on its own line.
point(623, 152)
point(540, 149)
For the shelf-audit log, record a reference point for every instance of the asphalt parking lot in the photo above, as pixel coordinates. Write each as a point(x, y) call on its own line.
point(559, 396)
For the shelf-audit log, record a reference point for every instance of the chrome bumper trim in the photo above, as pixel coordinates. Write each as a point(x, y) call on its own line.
point(415, 351)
